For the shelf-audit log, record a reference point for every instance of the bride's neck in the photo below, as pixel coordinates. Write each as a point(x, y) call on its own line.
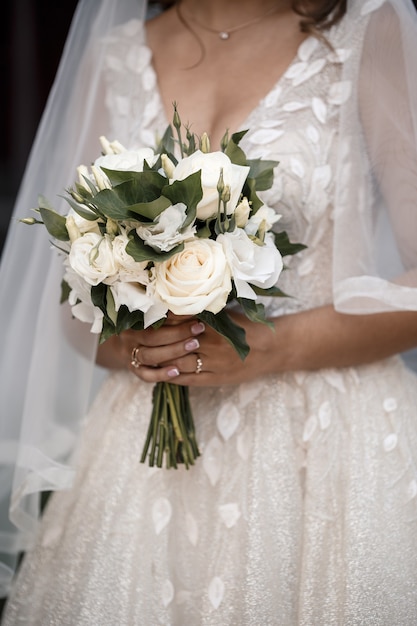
point(223, 13)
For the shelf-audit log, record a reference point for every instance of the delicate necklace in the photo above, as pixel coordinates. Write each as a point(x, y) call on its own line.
point(224, 34)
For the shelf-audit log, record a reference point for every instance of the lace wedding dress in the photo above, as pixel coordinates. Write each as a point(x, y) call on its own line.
point(302, 509)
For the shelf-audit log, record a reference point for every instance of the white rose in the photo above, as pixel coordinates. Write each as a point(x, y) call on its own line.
point(136, 298)
point(128, 268)
point(211, 165)
point(91, 256)
point(128, 161)
point(164, 234)
point(79, 299)
point(83, 225)
point(194, 280)
point(263, 215)
point(251, 263)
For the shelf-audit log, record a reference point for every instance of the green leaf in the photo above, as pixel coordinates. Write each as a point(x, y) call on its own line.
point(263, 173)
point(110, 306)
point(188, 191)
point(249, 190)
point(89, 214)
point(65, 291)
point(150, 210)
point(223, 324)
point(235, 154)
point(255, 311)
point(139, 251)
point(128, 319)
point(285, 246)
point(167, 144)
point(121, 202)
point(108, 331)
point(274, 292)
point(55, 223)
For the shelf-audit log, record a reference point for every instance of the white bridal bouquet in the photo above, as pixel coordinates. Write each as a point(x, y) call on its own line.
point(148, 233)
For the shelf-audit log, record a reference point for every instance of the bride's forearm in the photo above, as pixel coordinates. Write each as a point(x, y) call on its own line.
point(321, 338)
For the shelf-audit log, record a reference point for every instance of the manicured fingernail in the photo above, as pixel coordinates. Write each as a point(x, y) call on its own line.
point(174, 371)
point(191, 345)
point(198, 328)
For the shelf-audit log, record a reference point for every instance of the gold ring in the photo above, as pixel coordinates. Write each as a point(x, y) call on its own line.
point(199, 366)
point(134, 357)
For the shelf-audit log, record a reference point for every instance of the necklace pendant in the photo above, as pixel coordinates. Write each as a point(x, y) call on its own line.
point(224, 35)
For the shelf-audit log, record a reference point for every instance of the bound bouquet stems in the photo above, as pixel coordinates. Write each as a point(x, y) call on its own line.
point(171, 438)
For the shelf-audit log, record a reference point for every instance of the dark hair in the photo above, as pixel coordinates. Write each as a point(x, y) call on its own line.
point(316, 15)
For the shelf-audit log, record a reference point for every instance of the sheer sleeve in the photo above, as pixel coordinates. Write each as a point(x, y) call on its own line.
point(375, 246)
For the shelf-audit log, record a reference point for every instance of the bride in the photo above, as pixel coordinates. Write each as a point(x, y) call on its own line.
point(303, 506)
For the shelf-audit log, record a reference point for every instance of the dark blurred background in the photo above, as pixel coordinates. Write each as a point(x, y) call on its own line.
point(33, 35)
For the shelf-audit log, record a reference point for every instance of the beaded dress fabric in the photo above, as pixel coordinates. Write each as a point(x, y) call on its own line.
point(302, 508)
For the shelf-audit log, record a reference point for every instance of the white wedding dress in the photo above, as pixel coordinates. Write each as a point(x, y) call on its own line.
point(302, 509)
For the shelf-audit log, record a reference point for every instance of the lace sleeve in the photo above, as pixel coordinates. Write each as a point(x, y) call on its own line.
point(376, 214)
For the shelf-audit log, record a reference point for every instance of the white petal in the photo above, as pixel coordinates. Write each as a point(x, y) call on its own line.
point(248, 392)
point(322, 176)
point(229, 513)
point(228, 420)
point(307, 48)
point(371, 5)
point(412, 489)
point(340, 92)
point(167, 592)
point(297, 167)
point(390, 442)
point(191, 529)
point(335, 380)
point(293, 106)
point(313, 134)
point(273, 97)
point(161, 514)
point(324, 415)
point(340, 55)
point(264, 136)
point(390, 405)
point(313, 69)
point(295, 69)
point(319, 109)
point(244, 443)
point(216, 591)
point(271, 123)
point(212, 459)
point(309, 428)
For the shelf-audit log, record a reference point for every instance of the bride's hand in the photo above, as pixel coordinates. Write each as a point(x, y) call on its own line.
point(186, 352)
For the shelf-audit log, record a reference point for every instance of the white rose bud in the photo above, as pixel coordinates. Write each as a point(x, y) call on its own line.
point(83, 173)
point(167, 165)
point(105, 145)
point(205, 143)
point(242, 213)
point(101, 179)
point(72, 228)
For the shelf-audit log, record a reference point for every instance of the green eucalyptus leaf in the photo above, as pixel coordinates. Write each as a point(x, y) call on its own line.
point(139, 251)
point(274, 292)
point(65, 291)
point(263, 173)
point(255, 311)
point(223, 324)
point(128, 319)
point(285, 246)
point(187, 191)
point(88, 213)
point(55, 223)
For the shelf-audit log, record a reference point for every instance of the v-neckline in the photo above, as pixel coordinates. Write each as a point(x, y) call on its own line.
point(244, 124)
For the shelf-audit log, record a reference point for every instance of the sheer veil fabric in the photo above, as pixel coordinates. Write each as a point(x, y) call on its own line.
point(47, 372)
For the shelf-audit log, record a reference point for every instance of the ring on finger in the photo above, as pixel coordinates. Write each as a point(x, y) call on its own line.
point(199, 365)
point(134, 357)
